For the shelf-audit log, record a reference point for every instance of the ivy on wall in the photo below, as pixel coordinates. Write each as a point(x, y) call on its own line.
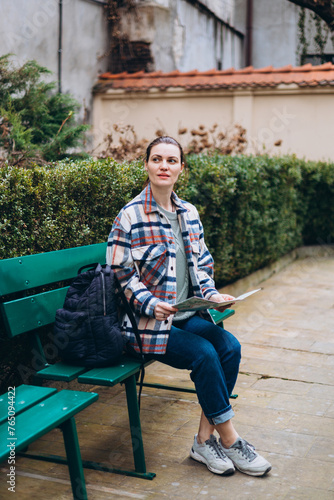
point(311, 25)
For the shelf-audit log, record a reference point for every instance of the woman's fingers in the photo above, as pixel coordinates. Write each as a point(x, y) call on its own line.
point(163, 310)
point(227, 297)
point(221, 297)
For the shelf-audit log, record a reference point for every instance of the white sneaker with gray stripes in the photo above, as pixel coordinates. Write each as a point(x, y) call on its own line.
point(211, 454)
point(246, 459)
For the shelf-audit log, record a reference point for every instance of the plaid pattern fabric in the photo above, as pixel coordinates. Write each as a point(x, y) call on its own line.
point(141, 250)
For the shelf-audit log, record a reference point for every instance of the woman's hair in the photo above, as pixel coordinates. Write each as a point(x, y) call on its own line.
point(164, 140)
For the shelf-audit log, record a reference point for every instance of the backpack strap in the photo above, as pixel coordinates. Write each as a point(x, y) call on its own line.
point(138, 338)
point(88, 266)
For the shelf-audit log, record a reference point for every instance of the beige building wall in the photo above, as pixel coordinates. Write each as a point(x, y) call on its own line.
point(300, 120)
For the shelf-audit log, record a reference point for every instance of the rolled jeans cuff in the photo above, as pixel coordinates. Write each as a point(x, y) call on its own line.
point(223, 417)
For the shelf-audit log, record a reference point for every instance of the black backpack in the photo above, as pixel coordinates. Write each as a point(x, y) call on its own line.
point(87, 331)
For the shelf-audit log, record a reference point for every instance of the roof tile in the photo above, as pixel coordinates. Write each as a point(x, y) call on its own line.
point(303, 76)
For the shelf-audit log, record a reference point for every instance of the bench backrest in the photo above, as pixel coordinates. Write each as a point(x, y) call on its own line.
point(32, 307)
point(26, 308)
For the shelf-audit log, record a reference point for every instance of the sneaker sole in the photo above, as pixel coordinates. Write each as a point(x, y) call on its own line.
point(195, 456)
point(254, 473)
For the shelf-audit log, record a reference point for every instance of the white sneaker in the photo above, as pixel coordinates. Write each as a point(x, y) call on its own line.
point(245, 458)
point(211, 454)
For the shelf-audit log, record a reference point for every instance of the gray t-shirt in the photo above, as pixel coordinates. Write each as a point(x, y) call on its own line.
point(182, 273)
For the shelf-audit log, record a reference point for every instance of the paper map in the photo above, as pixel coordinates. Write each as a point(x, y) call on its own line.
point(198, 304)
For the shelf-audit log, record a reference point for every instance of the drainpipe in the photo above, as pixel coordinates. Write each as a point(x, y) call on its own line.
point(60, 48)
point(249, 33)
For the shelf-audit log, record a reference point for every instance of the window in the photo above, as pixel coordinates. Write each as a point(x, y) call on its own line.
point(316, 59)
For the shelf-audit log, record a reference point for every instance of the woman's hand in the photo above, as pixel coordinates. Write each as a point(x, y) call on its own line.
point(221, 297)
point(163, 310)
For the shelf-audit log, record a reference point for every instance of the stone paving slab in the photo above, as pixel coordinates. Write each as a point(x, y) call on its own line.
point(285, 406)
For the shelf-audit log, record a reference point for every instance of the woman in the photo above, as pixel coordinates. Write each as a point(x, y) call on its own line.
point(157, 249)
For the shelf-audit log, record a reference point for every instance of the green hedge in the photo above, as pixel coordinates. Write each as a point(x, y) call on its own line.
point(250, 208)
point(66, 205)
point(254, 209)
point(316, 192)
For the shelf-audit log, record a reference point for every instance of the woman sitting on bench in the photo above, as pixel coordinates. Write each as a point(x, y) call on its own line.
point(157, 249)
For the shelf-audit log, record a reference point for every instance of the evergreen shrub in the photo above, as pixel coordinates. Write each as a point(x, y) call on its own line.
point(316, 191)
point(254, 209)
point(63, 205)
point(36, 122)
point(250, 209)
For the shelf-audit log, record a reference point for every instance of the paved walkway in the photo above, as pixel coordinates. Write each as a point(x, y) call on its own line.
point(285, 407)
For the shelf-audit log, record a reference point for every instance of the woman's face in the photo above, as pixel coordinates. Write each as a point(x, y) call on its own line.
point(164, 165)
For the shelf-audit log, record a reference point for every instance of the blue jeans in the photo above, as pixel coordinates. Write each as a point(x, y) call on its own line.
point(213, 356)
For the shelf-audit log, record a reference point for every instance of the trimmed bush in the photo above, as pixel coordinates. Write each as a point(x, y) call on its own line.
point(254, 209)
point(316, 192)
point(66, 205)
point(250, 208)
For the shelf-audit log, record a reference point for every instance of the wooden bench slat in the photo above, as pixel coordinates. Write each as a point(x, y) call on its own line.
point(29, 313)
point(61, 371)
point(111, 375)
point(43, 417)
point(31, 271)
point(25, 397)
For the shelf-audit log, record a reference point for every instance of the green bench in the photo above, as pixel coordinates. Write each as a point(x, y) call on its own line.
point(29, 412)
point(26, 307)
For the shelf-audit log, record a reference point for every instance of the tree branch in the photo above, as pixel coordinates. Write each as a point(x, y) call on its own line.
point(324, 9)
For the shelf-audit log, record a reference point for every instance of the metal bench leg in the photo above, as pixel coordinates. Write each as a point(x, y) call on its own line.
point(135, 427)
point(74, 459)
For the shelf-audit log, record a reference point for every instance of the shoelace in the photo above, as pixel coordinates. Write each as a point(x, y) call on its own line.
point(246, 449)
point(212, 442)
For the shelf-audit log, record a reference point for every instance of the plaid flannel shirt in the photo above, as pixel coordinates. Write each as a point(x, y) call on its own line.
point(141, 250)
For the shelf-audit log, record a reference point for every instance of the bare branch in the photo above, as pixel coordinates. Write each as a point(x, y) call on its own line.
point(324, 9)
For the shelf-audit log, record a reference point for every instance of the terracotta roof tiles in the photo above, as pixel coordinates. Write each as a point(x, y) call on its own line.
point(303, 76)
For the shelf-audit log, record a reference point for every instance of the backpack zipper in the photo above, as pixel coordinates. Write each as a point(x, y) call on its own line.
point(103, 294)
